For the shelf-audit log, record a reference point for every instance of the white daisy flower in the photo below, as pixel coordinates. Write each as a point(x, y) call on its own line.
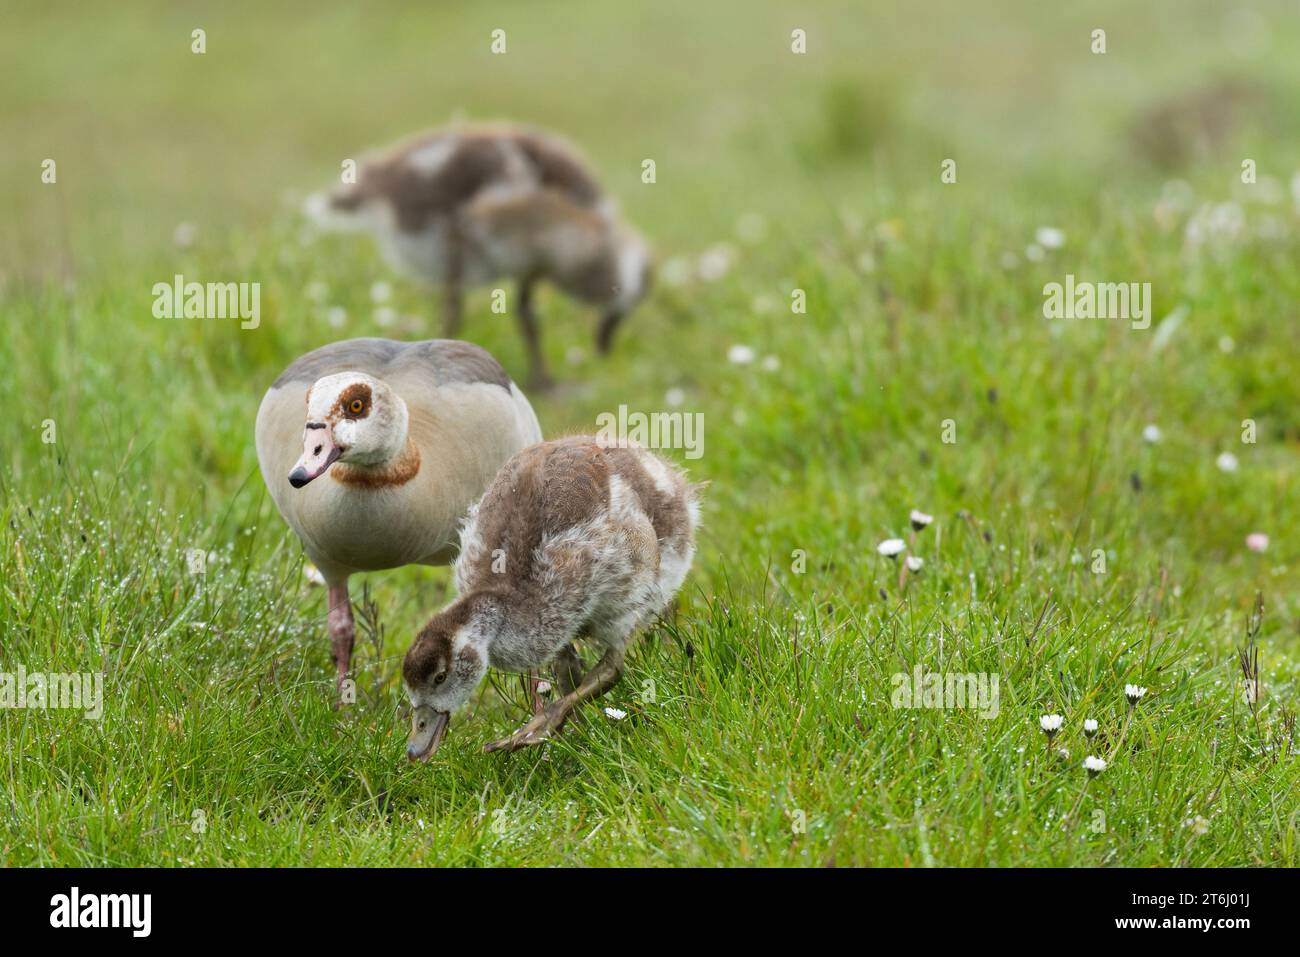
point(1090, 727)
point(676, 271)
point(1227, 462)
point(914, 563)
point(1050, 723)
point(919, 519)
point(740, 355)
point(380, 292)
point(1134, 693)
point(336, 316)
point(385, 316)
point(715, 262)
point(771, 363)
point(1049, 237)
point(1217, 224)
point(615, 714)
point(1152, 434)
point(184, 235)
point(1094, 765)
point(674, 397)
point(891, 547)
point(313, 575)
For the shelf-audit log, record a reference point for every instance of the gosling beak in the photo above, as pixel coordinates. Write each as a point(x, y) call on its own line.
point(319, 452)
point(427, 728)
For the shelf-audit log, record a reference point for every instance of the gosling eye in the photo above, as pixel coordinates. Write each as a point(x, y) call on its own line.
point(355, 406)
point(442, 676)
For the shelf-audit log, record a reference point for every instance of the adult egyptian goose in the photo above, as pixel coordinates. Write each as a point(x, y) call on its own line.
point(471, 205)
point(572, 539)
point(374, 451)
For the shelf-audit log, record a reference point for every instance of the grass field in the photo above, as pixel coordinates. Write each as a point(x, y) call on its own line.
point(1069, 556)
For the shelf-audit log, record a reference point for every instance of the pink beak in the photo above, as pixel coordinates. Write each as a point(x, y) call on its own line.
point(318, 453)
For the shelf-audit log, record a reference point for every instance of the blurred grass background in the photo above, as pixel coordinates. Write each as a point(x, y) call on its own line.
point(924, 304)
point(1011, 90)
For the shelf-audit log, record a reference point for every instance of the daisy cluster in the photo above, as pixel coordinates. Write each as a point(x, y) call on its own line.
point(893, 547)
point(1051, 725)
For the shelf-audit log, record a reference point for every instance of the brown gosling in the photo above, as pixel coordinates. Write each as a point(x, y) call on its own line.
point(465, 206)
point(573, 539)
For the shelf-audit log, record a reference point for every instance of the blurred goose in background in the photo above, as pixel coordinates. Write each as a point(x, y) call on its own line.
point(471, 205)
point(374, 451)
point(596, 542)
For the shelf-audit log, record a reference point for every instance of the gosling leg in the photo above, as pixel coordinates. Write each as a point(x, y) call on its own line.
point(452, 288)
point(595, 683)
point(568, 669)
point(605, 333)
point(538, 378)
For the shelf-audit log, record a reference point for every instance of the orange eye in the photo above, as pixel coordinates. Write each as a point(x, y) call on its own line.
point(356, 406)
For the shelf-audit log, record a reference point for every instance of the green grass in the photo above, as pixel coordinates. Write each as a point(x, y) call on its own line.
point(767, 702)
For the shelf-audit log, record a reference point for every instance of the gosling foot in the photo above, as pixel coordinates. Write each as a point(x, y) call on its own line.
point(542, 383)
point(541, 728)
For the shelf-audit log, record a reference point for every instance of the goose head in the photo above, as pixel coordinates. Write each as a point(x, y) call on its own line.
point(444, 665)
point(352, 418)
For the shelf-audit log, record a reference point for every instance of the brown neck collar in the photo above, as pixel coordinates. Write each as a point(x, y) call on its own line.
point(391, 474)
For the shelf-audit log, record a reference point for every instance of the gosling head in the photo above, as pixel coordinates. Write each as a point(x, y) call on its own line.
point(349, 208)
point(351, 418)
point(635, 269)
point(443, 667)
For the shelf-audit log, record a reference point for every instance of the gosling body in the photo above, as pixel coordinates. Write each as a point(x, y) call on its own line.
point(573, 540)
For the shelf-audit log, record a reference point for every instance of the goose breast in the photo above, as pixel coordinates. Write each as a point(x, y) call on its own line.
point(466, 419)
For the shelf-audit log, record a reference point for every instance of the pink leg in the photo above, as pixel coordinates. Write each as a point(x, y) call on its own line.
point(533, 682)
point(342, 632)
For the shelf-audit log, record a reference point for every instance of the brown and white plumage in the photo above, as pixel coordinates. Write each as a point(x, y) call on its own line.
point(374, 450)
point(573, 539)
point(472, 205)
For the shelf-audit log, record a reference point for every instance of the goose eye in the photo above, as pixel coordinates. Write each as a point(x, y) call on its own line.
point(442, 676)
point(356, 406)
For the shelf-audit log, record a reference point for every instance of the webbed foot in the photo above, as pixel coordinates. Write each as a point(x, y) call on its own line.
point(542, 727)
